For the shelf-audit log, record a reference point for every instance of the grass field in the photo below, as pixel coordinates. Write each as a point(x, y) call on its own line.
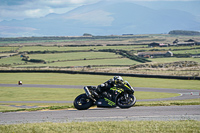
point(38, 94)
point(6, 49)
point(186, 126)
point(104, 59)
point(66, 59)
point(117, 61)
point(81, 79)
point(11, 60)
point(56, 48)
point(175, 50)
point(53, 94)
point(173, 59)
point(73, 56)
point(194, 51)
point(75, 59)
point(60, 94)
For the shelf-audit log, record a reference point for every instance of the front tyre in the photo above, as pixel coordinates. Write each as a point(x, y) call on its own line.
point(82, 102)
point(124, 101)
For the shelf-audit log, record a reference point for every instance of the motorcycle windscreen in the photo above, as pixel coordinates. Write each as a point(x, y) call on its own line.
point(105, 102)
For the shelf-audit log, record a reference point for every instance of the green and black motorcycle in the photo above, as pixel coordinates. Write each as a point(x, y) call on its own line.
point(119, 95)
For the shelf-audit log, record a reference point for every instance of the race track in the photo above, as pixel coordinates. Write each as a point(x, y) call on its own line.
point(105, 114)
point(191, 112)
point(184, 93)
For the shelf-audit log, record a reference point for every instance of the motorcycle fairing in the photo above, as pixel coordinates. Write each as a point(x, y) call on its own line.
point(109, 102)
point(116, 89)
point(105, 102)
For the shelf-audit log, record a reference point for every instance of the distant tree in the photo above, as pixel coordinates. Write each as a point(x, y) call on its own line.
point(37, 60)
point(184, 32)
point(87, 34)
point(25, 58)
point(175, 41)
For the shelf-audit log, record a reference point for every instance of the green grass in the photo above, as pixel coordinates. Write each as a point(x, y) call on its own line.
point(4, 49)
point(17, 104)
point(77, 41)
point(40, 108)
point(7, 107)
point(53, 94)
point(36, 42)
point(117, 61)
point(170, 103)
point(172, 49)
point(153, 95)
point(60, 94)
point(11, 60)
point(164, 83)
point(61, 59)
point(105, 127)
point(16, 60)
point(55, 48)
point(81, 79)
point(38, 94)
point(56, 94)
point(194, 51)
point(132, 47)
point(73, 56)
point(173, 59)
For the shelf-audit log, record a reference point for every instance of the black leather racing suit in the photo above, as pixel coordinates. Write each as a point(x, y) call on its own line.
point(103, 88)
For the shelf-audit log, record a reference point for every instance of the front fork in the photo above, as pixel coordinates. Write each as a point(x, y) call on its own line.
point(88, 93)
point(126, 97)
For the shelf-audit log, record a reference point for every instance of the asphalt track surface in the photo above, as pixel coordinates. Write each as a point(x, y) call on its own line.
point(191, 112)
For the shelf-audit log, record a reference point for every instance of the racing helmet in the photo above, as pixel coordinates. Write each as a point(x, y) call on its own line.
point(118, 79)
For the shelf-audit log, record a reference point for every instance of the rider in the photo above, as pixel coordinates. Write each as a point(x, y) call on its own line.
point(102, 88)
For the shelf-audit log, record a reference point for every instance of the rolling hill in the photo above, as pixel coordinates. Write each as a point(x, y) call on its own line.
point(105, 18)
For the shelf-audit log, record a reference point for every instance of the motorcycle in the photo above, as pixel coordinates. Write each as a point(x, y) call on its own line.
point(119, 95)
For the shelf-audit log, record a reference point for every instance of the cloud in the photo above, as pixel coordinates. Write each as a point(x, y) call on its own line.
point(2, 28)
point(21, 9)
point(103, 19)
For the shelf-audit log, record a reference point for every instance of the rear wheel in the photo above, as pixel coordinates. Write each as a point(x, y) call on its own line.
point(82, 102)
point(126, 101)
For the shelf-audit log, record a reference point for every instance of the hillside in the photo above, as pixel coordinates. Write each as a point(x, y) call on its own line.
point(104, 18)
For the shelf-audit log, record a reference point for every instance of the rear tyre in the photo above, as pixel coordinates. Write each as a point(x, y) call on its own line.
point(82, 102)
point(128, 102)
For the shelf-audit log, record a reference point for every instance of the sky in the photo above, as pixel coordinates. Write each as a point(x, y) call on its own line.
point(21, 9)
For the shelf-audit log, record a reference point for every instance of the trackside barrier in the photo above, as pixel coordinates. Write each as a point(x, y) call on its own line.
point(195, 93)
point(101, 73)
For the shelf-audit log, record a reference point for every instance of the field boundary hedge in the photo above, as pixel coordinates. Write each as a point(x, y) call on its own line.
point(101, 73)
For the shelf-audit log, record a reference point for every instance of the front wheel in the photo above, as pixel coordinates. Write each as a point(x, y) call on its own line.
point(82, 102)
point(126, 101)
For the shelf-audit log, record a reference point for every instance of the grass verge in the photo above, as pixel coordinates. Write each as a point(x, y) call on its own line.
point(105, 127)
point(25, 96)
point(157, 103)
point(40, 108)
point(170, 103)
point(60, 94)
point(38, 94)
point(83, 79)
